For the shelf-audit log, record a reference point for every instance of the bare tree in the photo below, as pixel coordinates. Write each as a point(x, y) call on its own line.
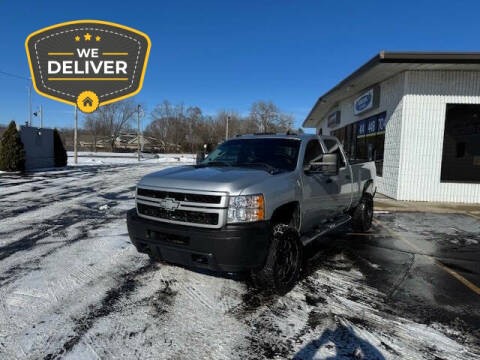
point(284, 122)
point(269, 118)
point(96, 128)
point(187, 127)
point(194, 119)
point(220, 123)
point(113, 119)
point(169, 124)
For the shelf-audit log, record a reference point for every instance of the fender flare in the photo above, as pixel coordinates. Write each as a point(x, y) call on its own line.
point(293, 210)
point(366, 187)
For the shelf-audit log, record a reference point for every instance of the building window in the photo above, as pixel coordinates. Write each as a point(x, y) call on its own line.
point(461, 148)
point(364, 140)
point(461, 144)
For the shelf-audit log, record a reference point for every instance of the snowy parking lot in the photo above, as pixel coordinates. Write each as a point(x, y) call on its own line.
point(73, 286)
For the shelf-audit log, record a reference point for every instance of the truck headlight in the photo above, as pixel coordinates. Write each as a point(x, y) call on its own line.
point(246, 208)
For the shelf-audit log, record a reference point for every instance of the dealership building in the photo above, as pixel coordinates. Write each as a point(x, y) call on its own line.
point(417, 115)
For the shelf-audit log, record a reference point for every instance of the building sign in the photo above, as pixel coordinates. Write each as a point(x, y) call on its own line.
point(361, 128)
point(382, 122)
point(333, 119)
point(372, 125)
point(367, 101)
point(87, 63)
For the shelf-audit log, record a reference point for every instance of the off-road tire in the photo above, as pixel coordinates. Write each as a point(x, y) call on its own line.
point(363, 214)
point(284, 261)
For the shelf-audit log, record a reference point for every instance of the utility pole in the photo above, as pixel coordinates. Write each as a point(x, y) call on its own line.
point(138, 131)
point(226, 128)
point(39, 113)
point(75, 154)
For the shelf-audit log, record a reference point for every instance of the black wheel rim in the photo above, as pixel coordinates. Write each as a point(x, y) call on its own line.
point(287, 259)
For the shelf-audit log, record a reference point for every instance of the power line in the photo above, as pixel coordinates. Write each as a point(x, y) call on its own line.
point(14, 75)
point(29, 87)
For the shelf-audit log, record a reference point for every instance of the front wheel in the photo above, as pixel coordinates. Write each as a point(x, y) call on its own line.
point(363, 214)
point(283, 264)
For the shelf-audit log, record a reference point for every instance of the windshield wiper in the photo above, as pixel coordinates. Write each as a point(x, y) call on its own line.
point(269, 168)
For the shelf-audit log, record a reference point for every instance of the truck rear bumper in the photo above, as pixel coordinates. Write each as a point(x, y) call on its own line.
point(233, 248)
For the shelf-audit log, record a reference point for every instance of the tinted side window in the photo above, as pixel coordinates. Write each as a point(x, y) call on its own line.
point(312, 151)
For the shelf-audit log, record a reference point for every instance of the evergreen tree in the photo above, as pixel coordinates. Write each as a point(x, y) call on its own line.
point(59, 150)
point(12, 153)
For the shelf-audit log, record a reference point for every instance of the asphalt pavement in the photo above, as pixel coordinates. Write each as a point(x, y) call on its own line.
point(427, 265)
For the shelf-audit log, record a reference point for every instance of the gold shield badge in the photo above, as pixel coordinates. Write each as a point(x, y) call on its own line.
point(87, 63)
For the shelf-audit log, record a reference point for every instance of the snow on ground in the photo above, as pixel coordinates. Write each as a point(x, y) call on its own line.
point(100, 158)
point(72, 286)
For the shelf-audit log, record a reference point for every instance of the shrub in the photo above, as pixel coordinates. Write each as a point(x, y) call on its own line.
point(12, 153)
point(59, 150)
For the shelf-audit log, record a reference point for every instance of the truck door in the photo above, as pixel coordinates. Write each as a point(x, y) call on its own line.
point(317, 201)
point(340, 185)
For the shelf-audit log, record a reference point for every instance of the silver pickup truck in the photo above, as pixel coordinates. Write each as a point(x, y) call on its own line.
point(252, 205)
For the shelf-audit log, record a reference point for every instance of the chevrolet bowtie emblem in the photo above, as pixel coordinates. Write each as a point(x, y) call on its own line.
point(169, 204)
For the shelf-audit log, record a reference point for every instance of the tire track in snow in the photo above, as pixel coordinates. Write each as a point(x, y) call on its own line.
point(38, 208)
point(51, 227)
point(77, 215)
point(108, 305)
point(142, 324)
point(86, 211)
point(73, 191)
point(28, 242)
point(59, 223)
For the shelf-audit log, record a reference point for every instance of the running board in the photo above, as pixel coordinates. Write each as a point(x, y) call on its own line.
point(308, 238)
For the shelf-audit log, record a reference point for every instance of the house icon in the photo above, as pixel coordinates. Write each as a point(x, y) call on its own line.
point(87, 102)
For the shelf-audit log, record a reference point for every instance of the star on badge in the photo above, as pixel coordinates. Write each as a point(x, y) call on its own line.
point(87, 36)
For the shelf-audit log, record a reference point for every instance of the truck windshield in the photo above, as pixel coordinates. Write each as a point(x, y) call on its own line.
point(272, 155)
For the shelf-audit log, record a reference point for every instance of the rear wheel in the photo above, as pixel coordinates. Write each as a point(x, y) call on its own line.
point(363, 214)
point(283, 264)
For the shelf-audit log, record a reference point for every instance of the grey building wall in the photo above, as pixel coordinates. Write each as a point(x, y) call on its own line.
point(38, 145)
point(427, 94)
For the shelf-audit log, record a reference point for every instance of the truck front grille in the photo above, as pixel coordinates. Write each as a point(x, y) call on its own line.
point(180, 196)
point(179, 215)
point(195, 208)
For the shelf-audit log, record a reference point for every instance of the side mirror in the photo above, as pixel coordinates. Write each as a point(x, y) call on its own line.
point(328, 166)
point(200, 157)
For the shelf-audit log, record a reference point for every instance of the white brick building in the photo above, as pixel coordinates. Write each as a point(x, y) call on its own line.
point(418, 116)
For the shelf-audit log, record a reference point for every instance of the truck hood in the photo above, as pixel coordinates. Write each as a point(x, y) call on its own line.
point(226, 179)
